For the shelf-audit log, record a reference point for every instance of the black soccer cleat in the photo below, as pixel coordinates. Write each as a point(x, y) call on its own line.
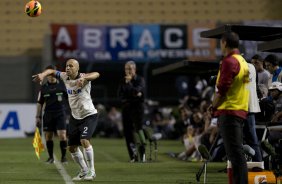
point(64, 160)
point(50, 161)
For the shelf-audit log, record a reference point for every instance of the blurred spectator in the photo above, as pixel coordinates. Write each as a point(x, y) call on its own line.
point(157, 120)
point(207, 93)
point(104, 127)
point(183, 121)
point(249, 129)
point(276, 94)
point(195, 89)
point(149, 109)
point(190, 153)
point(272, 65)
point(163, 122)
point(263, 91)
point(262, 74)
point(211, 139)
point(204, 105)
point(275, 136)
point(200, 85)
point(197, 122)
point(182, 84)
point(114, 117)
point(210, 129)
point(267, 109)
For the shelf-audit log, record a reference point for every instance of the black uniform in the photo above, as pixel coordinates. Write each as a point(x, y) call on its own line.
point(53, 95)
point(132, 112)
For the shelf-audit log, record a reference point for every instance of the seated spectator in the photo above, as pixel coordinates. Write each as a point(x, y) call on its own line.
point(199, 130)
point(183, 121)
point(115, 119)
point(210, 130)
point(157, 120)
point(263, 89)
point(210, 138)
point(276, 94)
point(197, 122)
point(163, 122)
point(190, 153)
point(103, 125)
point(275, 136)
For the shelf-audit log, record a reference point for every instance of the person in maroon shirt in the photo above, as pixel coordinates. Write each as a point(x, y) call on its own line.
point(230, 122)
point(229, 68)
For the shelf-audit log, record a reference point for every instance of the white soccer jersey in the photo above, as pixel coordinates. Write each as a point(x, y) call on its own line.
point(79, 98)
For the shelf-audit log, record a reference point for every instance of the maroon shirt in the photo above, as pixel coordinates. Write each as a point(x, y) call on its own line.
point(229, 68)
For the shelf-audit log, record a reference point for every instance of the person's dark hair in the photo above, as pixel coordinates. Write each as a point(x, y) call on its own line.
point(232, 39)
point(257, 57)
point(183, 106)
point(271, 58)
point(51, 67)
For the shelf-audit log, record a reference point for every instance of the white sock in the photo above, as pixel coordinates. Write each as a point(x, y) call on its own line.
point(89, 156)
point(84, 155)
point(78, 158)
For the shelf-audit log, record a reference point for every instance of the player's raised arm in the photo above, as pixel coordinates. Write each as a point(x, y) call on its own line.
point(87, 77)
point(91, 76)
point(40, 76)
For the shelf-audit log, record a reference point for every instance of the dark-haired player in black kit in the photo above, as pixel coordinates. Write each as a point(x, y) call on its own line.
point(52, 101)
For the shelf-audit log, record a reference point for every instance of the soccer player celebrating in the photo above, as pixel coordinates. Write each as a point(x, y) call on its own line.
point(83, 119)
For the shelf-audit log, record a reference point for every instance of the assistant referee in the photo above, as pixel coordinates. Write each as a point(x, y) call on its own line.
point(52, 101)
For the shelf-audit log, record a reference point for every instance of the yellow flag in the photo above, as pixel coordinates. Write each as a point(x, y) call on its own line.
point(37, 143)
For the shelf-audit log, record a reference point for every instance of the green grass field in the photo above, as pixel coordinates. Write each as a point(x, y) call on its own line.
point(19, 165)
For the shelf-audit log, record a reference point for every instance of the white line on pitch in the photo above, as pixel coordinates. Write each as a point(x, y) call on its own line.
point(108, 156)
point(62, 171)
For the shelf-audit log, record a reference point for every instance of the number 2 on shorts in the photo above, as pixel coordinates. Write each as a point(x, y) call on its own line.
point(85, 130)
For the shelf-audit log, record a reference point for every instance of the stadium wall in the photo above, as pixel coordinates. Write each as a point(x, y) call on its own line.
point(24, 49)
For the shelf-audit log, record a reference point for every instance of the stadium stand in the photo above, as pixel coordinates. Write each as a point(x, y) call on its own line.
point(22, 34)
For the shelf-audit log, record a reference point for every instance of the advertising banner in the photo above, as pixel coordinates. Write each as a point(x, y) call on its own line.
point(17, 120)
point(139, 42)
point(143, 42)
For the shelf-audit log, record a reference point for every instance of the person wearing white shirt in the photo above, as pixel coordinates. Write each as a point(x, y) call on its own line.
point(249, 130)
point(83, 119)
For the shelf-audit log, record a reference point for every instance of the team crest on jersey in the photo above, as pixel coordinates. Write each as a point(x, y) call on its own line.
point(73, 91)
point(60, 98)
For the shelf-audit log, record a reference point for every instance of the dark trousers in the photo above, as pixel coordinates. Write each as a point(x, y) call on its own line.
point(251, 138)
point(231, 130)
point(132, 118)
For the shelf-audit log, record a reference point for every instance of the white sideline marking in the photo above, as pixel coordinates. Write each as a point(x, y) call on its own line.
point(57, 163)
point(108, 156)
point(62, 171)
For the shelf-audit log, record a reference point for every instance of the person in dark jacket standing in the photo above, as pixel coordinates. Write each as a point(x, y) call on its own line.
point(131, 93)
point(52, 100)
